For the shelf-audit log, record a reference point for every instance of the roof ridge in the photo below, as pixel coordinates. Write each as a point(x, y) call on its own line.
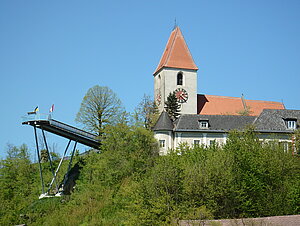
point(176, 124)
point(220, 96)
point(269, 101)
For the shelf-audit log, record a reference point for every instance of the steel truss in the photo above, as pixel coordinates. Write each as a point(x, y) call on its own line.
point(59, 187)
point(46, 123)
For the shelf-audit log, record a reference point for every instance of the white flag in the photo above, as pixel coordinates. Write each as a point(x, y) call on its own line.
point(52, 108)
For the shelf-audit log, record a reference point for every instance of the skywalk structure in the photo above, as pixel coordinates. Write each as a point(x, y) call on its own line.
point(46, 123)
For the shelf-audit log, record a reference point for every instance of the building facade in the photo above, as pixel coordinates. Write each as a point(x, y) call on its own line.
point(205, 119)
point(195, 129)
point(176, 72)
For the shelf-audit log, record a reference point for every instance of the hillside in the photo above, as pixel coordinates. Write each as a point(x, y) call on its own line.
point(129, 184)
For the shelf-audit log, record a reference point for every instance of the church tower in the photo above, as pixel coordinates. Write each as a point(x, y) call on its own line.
point(177, 72)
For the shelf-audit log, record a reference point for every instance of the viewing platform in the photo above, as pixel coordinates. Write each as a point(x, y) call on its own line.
point(45, 122)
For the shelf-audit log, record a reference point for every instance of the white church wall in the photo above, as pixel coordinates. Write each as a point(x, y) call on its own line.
point(165, 141)
point(199, 138)
point(165, 83)
point(159, 91)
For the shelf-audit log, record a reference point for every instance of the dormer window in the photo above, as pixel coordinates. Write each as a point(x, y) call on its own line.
point(203, 124)
point(291, 123)
point(180, 79)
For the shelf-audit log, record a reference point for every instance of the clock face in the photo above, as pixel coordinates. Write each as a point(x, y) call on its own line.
point(181, 95)
point(158, 99)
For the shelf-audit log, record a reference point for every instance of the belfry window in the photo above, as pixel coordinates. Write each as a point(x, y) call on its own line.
point(180, 78)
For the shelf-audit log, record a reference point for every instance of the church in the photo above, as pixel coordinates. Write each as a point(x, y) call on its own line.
point(205, 119)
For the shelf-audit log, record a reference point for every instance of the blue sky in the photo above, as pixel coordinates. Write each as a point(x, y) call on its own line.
point(52, 52)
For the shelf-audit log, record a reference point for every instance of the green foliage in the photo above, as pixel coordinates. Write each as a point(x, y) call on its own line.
point(296, 138)
point(129, 184)
point(16, 177)
point(172, 107)
point(263, 176)
point(245, 112)
point(44, 156)
point(20, 187)
point(146, 113)
point(99, 107)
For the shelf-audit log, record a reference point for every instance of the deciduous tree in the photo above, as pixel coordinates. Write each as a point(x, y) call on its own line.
point(146, 113)
point(296, 137)
point(99, 107)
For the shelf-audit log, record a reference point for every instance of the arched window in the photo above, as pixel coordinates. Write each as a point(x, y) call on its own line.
point(179, 78)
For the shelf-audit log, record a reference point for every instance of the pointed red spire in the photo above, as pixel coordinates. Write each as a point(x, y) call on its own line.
point(176, 54)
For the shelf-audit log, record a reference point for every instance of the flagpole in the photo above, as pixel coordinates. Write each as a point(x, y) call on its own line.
point(51, 111)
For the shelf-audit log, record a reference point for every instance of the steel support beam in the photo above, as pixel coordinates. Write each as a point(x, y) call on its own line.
point(70, 164)
point(60, 162)
point(50, 160)
point(39, 159)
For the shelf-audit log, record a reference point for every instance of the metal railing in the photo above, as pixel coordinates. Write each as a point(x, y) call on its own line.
point(47, 117)
point(36, 116)
point(72, 129)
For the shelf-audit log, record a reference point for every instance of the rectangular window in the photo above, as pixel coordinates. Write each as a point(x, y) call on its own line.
point(212, 142)
point(284, 145)
point(162, 143)
point(197, 142)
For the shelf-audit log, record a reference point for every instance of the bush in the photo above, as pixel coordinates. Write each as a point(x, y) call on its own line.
point(127, 183)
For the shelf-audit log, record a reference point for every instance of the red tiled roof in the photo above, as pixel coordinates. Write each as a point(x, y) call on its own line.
point(176, 53)
point(222, 105)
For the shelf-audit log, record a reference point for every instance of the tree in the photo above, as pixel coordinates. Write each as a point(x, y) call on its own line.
point(146, 113)
point(99, 107)
point(246, 111)
point(44, 155)
point(296, 145)
point(172, 107)
point(17, 177)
